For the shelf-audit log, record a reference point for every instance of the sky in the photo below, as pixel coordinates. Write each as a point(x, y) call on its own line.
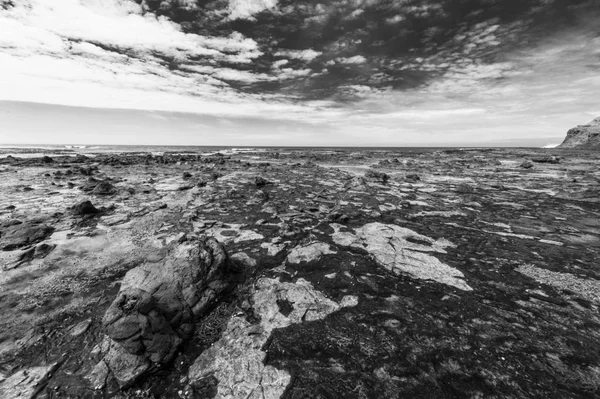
point(298, 73)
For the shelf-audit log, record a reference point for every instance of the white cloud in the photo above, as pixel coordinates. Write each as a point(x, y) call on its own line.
point(280, 63)
point(245, 9)
point(357, 59)
point(305, 55)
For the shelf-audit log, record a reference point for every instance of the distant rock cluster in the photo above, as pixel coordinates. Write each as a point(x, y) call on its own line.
point(584, 136)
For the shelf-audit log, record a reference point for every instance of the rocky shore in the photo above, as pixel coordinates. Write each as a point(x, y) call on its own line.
point(301, 274)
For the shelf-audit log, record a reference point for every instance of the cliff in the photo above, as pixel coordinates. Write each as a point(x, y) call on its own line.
point(584, 136)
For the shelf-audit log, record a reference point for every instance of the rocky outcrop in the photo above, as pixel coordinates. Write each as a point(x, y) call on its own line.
point(585, 137)
point(157, 306)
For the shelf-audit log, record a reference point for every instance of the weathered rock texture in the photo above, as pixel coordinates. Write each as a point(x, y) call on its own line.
point(157, 305)
point(237, 360)
point(402, 251)
point(22, 235)
point(584, 136)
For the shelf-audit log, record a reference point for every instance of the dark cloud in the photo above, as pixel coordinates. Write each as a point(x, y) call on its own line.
point(392, 44)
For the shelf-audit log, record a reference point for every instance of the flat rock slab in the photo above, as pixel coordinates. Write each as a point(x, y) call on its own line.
point(402, 250)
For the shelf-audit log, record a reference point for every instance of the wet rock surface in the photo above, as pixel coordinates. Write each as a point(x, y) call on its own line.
point(353, 274)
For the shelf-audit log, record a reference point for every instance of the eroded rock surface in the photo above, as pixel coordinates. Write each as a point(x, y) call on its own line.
point(159, 302)
point(236, 361)
point(402, 250)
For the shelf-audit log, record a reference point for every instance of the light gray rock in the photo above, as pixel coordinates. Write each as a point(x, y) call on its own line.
point(309, 253)
point(402, 250)
point(237, 359)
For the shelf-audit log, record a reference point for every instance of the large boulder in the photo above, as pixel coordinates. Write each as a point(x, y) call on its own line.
point(158, 304)
point(585, 137)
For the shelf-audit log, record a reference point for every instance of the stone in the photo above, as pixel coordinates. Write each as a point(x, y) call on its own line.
point(309, 253)
point(526, 165)
point(158, 303)
point(21, 235)
point(104, 188)
point(377, 176)
point(464, 188)
point(80, 328)
point(85, 208)
point(546, 159)
point(260, 181)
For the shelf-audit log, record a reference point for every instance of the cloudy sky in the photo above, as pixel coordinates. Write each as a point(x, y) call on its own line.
point(304, 72)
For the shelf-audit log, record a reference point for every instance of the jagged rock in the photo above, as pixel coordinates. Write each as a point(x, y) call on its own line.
point(186, 175)
point(85, 208)
point(585, 137)
point(104, 188)
point(158, 304)
point(21, 235)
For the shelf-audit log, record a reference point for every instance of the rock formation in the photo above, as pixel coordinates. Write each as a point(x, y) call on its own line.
point(585, 137)
point(157, 306)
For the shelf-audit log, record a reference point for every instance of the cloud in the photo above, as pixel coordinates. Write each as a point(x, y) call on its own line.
point(245, 9)
point(374, 63)
point(305, 55)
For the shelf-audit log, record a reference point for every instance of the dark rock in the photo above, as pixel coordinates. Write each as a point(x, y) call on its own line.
point(10, 222)
point(21, 235)
point(186, 175)
point(260, 182)
point(85, 208)
point(42, 250)
point(47, 159)
point(546, 159)
point(10, 207)
point(413, 177)
point(104, 188)
point(157, 305)
point(464, 188)
point(377, 176)
point(526, 165)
